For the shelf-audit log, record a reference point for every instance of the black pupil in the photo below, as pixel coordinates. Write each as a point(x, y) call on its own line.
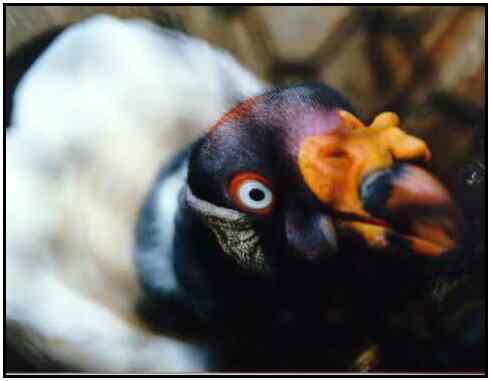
point(257, 194)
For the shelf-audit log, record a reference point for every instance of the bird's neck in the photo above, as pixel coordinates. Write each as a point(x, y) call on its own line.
point(207, 274)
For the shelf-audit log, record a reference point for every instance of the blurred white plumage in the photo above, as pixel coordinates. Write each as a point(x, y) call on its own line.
point(93, 120)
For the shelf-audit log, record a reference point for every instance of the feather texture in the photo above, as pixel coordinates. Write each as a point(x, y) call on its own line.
point(94, 118)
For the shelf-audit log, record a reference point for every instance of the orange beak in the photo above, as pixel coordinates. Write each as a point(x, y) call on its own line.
point(360, 174)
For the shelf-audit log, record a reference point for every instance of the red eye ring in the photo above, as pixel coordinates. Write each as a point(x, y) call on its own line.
point(252, 193)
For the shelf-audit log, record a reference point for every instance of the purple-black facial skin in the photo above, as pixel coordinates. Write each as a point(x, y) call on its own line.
point(264, 140)
point(264, 137)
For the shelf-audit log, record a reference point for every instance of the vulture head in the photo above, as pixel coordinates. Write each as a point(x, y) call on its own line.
point(292, 179)
point(298, 223)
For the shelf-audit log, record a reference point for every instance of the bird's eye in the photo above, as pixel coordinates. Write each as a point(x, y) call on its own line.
point(252, 193)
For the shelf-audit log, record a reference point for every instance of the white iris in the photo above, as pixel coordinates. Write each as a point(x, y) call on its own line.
point(250, 188)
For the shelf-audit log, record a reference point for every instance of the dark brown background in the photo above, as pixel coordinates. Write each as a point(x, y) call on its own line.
point(425, 62)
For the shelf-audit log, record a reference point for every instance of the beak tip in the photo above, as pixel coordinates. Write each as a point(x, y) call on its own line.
point(417, 207)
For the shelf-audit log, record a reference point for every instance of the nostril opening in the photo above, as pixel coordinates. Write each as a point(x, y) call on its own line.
point(337, 154)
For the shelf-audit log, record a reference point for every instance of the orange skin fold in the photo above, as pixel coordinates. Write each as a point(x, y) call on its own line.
point(335, 164)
